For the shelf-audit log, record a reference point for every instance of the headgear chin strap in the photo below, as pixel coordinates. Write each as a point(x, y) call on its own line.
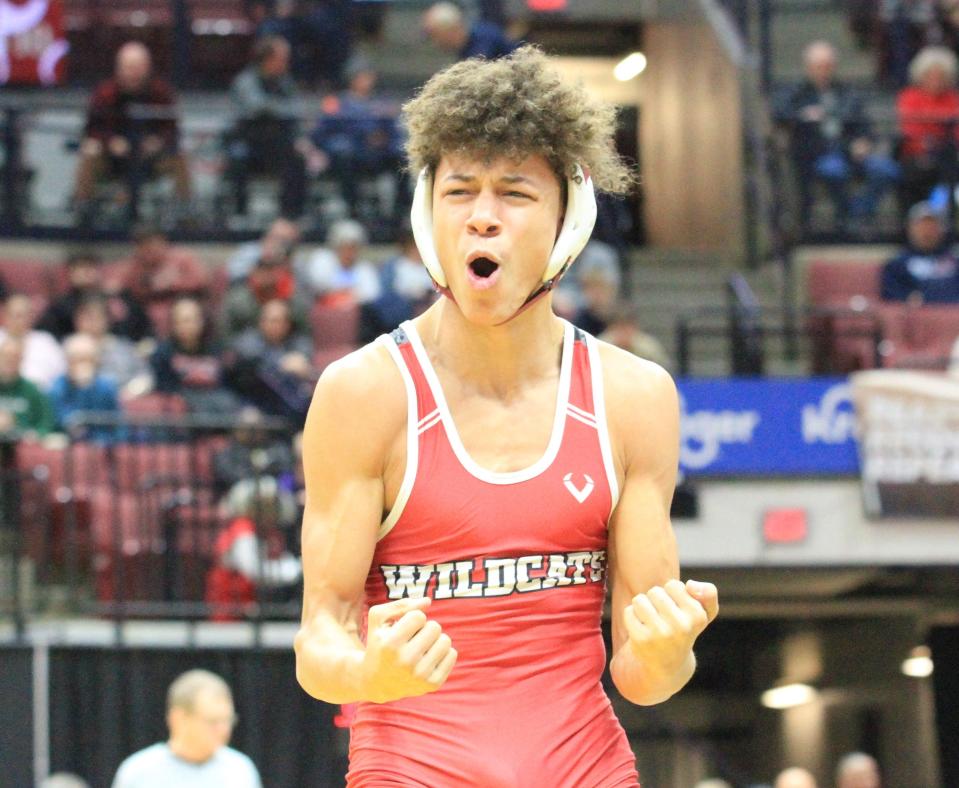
point(577, 227)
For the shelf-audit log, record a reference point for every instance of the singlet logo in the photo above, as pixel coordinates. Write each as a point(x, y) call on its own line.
point(579, 493)
point(494, 576)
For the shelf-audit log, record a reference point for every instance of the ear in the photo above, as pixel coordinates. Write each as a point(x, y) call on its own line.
point(421, 220)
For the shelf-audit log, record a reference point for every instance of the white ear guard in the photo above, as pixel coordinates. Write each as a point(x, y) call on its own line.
point(577, 225)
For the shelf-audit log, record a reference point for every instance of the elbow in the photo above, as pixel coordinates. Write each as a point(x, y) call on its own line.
point(306, 677)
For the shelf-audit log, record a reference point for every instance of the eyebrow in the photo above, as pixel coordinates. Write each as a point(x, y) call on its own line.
point(466, 178)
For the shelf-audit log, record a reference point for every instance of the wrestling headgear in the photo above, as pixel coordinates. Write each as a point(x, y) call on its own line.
point(577, 227)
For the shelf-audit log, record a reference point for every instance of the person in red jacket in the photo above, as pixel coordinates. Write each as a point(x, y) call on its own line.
point(251, 553)
point(928, 112)
point(131, 120)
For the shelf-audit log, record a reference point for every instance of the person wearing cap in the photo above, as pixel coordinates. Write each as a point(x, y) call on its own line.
point(927, 271)
point(474, 478)
point(339, 273)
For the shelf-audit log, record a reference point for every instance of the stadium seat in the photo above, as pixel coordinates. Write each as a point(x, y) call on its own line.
point(326, 356)
point(832, 282)
point(928, 335)
point(30, 277)
point(155, 404)
point(335, 326)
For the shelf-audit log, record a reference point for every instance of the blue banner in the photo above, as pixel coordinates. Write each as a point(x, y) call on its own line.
point(767, 427)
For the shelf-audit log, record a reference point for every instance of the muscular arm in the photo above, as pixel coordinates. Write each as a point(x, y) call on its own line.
point(650, 662)
point(344, 445)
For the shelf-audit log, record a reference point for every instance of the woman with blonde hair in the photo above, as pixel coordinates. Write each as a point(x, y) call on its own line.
point(928, 112)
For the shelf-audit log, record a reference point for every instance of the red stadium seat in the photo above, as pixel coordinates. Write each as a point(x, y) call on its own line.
point(30, 277)
point(156, 404)
point(335, 326)
point(326, 356)
point(832, 282)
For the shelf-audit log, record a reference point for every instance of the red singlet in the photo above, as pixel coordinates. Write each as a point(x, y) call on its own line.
point(515, 564)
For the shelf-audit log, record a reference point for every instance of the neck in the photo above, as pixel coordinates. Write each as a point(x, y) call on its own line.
point(497, 359)
point(182, 750)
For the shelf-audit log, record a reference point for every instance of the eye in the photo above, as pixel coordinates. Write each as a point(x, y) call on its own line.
point(519, 194)
point(456, 192)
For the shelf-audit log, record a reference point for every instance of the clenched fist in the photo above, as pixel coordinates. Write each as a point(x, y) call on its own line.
point(663, 623)
point(406, 654)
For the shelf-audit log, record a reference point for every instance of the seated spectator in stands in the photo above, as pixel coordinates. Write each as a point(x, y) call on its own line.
point(599, 295)
point(319, 36)
point(252, 451)
point(830, 140)
point(928, 114)
point(126, 315)
point(905, 27)
point(279, 241)
point(120, 363)
point(115, 139)
point(24, 409)
point(83, 389)
point(252, 558)
point(272, 278)
point(858, 770)
point(43, 359)
point(794, 777)
point(190, 363)
point(597, 257)
point(928, 270)
point(405, 290)
point(157, 271)
point(337, 274)
point(447, 26)
point(266, 136)
point(271, 365)
point(624, 331)
point(358, 135)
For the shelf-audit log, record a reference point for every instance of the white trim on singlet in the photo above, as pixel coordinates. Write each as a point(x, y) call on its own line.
point(599, 407)
point(468, 463)
point(412, 441)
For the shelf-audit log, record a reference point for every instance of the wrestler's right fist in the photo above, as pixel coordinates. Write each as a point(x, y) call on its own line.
point(407, 654)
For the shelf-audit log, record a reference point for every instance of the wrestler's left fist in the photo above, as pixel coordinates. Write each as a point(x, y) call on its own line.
point(663, 623)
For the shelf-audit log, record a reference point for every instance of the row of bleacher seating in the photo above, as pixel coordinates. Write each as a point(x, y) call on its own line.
point(850, 316)
point(335, 329)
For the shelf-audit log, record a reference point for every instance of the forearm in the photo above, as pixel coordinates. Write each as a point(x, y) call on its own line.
point(647, 684)
point(329, 664)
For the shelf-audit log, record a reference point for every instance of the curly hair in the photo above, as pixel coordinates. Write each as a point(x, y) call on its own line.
point(515, 107)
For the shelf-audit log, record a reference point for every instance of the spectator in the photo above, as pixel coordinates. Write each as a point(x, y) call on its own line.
point(271, 366)
point(358, 135)
point(115, 139)
point(928, 114)
point(23, 407)
point(858, 770)
point(252, 451)
point(599, 294)
point(338, 274)
point(447, 27)
point(83, 389)
point(266, 136)
point(251, 554)
point(597, 257)
point(794, 777)
point(200, 718)
point(119, 361)
point(279, 241)
point(157, 271)
point(830, 140)
point(624, 331)
point(190, 362)
point(319, 36)
point(927, 271)
point(907, 26)
point(272, 278)
point(126, 315)
point(43, 359)
point(405, 289)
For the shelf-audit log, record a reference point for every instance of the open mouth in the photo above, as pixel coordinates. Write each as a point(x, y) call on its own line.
point(483, 267)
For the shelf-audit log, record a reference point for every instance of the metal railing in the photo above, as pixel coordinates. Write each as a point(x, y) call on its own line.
point(122, 519)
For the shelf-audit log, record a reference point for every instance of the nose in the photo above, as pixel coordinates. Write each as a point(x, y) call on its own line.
point(484, 219)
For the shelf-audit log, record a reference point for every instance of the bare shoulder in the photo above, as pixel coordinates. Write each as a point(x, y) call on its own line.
point(642, 405)
point(360, 402)
point(634, 384)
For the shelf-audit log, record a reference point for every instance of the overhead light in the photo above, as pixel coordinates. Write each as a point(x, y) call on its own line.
point(918, 664)
point(787, 696)
point(630, 66)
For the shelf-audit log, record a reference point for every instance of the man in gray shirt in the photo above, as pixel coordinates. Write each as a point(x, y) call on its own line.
point(200, 717)
point(266, 138)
